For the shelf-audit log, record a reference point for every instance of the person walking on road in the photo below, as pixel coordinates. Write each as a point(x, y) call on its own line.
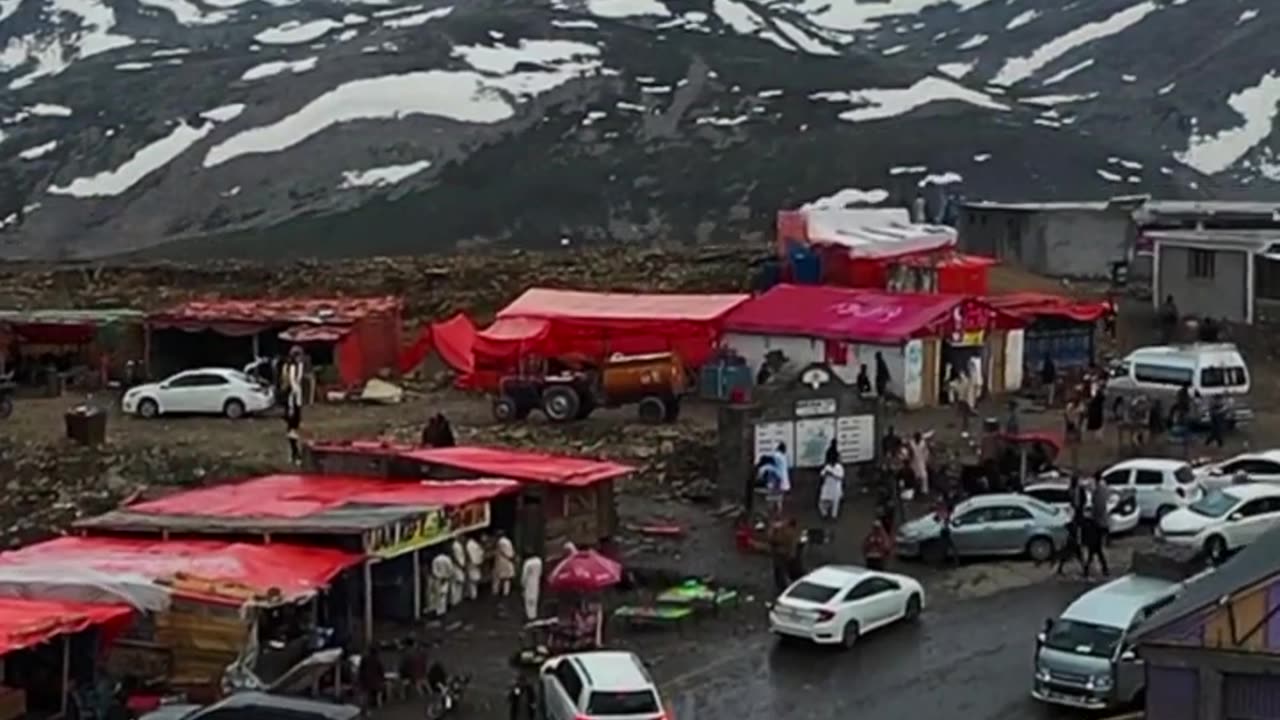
point(943, 512)
point(1075, 495)
point(878, 546)
point(531, 586)
point(1093, 534)
point(1100, 507)
point(1049, 380)
point(504, 566)
point(920, 461)
point(832, 490)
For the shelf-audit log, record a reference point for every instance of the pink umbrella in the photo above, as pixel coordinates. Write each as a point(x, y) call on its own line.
point(584, 571)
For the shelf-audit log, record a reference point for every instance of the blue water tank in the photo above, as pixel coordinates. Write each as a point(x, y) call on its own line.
point(806, 265)
point(720, 378)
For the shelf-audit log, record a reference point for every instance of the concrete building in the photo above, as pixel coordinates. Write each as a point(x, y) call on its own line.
point(1224, 274)
point(1087, 239)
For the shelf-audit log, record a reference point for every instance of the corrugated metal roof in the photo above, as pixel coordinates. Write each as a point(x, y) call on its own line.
point(1128, 204)
point(71, 317)
point(340, 310)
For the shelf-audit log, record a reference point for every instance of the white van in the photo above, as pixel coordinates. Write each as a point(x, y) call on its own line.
point(1206, 368)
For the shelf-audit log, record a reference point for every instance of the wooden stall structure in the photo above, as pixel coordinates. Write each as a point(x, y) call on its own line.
point(85, 348)
point(561, 499)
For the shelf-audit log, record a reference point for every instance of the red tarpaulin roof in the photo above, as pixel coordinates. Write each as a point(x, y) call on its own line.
point(582, 305)
point(299, 496)
point(295, 570)
point(329, 311)
point(26, 623)
point(498, 462)
point(837, 313)
point(950, 260)
point(1032, 304)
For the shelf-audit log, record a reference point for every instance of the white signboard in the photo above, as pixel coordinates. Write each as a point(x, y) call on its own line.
point(856, 438)
point(913, 373)
point(819, 406)
point(769, 434)
point(813, 437)
point(1013, 360)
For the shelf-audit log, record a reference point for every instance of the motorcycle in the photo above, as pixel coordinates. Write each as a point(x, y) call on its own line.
point(446, 697)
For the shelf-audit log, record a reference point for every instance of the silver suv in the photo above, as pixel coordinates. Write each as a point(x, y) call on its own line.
point(600, 685)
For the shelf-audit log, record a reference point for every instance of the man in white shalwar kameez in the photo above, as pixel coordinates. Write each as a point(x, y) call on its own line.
point(531, 585)
point(441, 577)
point(475, 558)
point(504, 566)
point(458, 576)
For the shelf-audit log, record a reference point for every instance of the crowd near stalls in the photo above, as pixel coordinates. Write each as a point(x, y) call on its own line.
point(85, 349)
point(348, 340)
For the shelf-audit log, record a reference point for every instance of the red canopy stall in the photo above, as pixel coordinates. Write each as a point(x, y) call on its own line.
point(592, 325)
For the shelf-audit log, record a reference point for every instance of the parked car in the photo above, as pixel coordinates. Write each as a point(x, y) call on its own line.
point(1224, 520)
point(1122, 506)
point(1160, 485)
point(1205, 368)
point(207, 391)
point(1260, 467)
point(256, 706)
point(995, 524)
point(1082, 658)
point(600, 685)
point(837, 604)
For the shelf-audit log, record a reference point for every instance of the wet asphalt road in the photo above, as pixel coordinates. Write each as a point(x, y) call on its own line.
point(968, 659)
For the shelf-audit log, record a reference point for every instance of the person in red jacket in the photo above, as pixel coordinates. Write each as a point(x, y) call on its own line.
point(878, 546)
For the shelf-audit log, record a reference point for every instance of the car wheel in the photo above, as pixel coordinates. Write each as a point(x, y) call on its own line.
point(849, 637)
point(505, 409)
point(1040, 549)
point(912, 611)
point(1162, 511)
point(1215, 548)
point(560, 403)
point(233, 409)
point(148, 408)
point(652, 410)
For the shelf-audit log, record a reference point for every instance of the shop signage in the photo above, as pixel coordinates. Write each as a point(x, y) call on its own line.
point(430, 528)
point(968, 324)
point(816, 407)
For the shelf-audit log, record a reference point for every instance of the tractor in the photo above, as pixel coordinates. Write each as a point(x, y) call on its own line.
point(571, 389)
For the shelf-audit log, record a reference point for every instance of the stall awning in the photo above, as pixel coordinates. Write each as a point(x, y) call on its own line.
point(241, 317)
point(314, 333)
point(843, 314)
point(26, 623)
point(232, 572)
point(299, 496)
point(1030, 305)
point(497, 462)
point(604, 306)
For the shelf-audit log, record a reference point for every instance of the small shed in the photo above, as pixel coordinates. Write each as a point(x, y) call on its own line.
point(356, 337)
point(1060, 328)
point(562, 498)
point(99, 345)
point(1214, 652)
point(920, 337)
point(852, 247)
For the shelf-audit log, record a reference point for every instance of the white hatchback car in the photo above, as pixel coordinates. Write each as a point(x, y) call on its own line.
point(1160, 485)
point(837, 604)
point(1260, 467)
point(1224, 520)
point(207, 391)
point(1122, 507)
point(600, 685)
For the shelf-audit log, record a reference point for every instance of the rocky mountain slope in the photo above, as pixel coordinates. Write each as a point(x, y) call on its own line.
point(274, 128)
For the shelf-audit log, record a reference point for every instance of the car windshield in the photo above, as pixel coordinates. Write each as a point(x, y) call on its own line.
point(1215, 504)
point(635, 702)
point(812, 592)
point(1083, 638)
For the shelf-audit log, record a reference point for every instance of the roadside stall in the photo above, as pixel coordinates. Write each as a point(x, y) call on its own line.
point(398, 527)
point(218, 593)
point(348, 340)
point(86, 349)
point(1061, 329)
point(561, 499)
point(578, 580)
point(48, 650)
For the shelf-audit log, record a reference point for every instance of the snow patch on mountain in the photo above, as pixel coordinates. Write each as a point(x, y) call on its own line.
point(74, 30)
point(1018, 69)
point(1258, 106)
point(276, 67)
point(145, 161)
point(879, 104)
point(382, 176)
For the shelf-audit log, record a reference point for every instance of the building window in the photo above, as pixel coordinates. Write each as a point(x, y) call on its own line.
point(1200, 264)
point(1268, 278)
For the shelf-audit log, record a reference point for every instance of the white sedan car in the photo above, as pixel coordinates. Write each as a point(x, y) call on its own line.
point(1224, 520)
point(1260, 467)
point(207, 391)
point(837, 604)
point(1122, 507)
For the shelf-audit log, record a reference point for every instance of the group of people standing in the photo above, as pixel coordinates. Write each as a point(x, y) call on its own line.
point(469, 564)
point(1088, 531)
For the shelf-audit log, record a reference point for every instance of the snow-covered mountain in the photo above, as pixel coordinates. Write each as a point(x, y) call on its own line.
point(278, 127)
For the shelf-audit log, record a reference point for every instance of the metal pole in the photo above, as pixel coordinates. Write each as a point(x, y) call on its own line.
point(66, 672)
point(368, 603)
point(417, 584)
